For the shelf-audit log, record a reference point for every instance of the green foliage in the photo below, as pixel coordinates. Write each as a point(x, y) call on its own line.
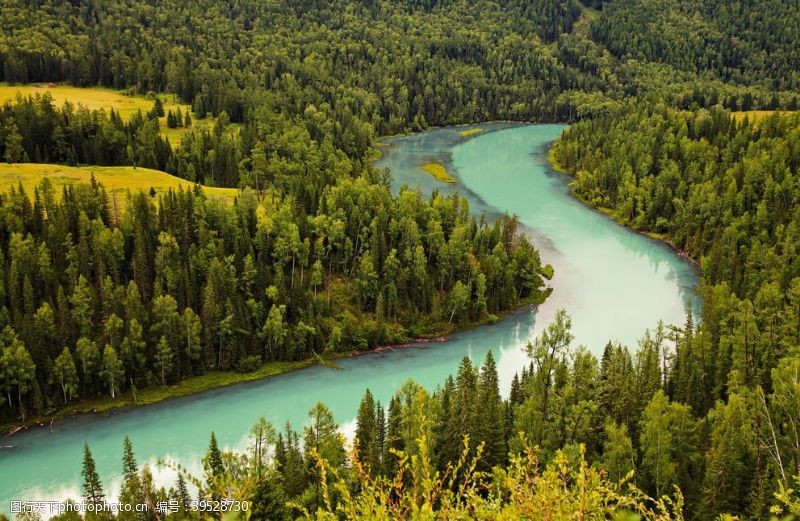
point(722, 189)
point(181, 284)
point(738, 41)
point(92, 487)
point(111, 371)
point(65, 374)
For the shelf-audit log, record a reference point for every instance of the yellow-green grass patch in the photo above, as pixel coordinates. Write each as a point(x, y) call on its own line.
point(470, 132)
point(175, 135)
point(115, 179)
point(755, 115)
point(99, 98)
point(438, 171)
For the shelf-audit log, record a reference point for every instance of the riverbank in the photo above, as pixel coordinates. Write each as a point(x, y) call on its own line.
point(219, 379)
point(615, 216)
point(151, 395)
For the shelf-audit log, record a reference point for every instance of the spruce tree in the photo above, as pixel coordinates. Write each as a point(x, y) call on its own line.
point(183, 493)
point(463, 421)
point(491, 419)
point(293, 469)
point(447, 443)
point(131, 491)
point(129, 468)
point(92, 487)
point(380, 432)
point(394, 436)
point(269, 500)
point(213, 460)
point(366, 433)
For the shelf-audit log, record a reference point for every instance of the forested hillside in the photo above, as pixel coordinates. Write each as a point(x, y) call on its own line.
point(723, 190)
point(464, 452)
point(101, 299)
point(335, 74)
point(743, 41)
point(102, 295)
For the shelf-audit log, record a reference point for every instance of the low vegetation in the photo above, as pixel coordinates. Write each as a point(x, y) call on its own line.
point(106, 99)
point(116, 179)
point(438, 171)
point(756, 115)
point(470, 132)
point(93, 98)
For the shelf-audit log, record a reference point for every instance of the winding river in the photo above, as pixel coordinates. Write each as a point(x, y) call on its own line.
point(614, 283)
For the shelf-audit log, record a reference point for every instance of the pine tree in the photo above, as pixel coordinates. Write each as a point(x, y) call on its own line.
point(92, 488)
point(262, 434)
point(290, 463)
point(491, 427)
point(131, 490)
point(129, 468)
point(394, 437)
point(380, 432)
point(13, 145)
point(213, 460)
point(446, 442)
point(731, 468)
point(465, 407)
point(366, 433)
point(269, 500)
point(183, 493)
point(158, 109)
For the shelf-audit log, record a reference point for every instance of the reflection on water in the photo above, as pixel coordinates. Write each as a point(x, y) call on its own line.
point(613, 282)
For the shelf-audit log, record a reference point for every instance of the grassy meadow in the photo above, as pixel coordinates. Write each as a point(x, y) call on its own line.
point(116, 179)
point(99, 98)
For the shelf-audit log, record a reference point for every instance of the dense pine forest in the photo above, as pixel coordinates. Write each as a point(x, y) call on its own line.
point(103, 294)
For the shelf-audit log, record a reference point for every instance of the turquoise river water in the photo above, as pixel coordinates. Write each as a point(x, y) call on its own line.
point(613, 282)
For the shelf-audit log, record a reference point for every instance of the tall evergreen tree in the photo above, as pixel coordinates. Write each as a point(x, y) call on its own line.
point(491, 429)
point(212, 462)
point(367, 434)
point(92, 487)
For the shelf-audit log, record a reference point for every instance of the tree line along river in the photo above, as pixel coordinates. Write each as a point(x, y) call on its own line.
point(613, 282)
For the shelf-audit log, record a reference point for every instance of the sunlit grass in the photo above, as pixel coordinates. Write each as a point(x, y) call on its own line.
point(470, 132)
point(755, 115)
point(438, 171)
point(99, 98)
point(115, 179)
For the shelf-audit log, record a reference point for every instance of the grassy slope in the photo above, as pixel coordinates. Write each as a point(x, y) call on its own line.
point(97, 98)
point(116, 179)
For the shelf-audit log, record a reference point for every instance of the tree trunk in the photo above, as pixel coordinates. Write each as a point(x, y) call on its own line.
point(19, 397)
